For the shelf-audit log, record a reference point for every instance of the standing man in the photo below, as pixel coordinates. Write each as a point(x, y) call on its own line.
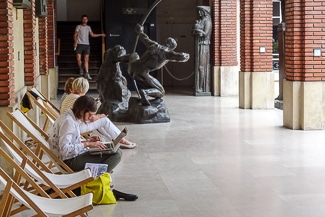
point(81, 44)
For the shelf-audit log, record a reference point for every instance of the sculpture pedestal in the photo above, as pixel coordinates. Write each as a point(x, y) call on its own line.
point(196, 93)
point(155, 113)
point(136, 113)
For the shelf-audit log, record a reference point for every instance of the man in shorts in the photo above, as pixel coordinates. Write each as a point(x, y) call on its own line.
point(81, 44)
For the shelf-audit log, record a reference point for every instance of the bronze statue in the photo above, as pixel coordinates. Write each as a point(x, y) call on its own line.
point(202, 33)
point(111, 84)
point(155, 57)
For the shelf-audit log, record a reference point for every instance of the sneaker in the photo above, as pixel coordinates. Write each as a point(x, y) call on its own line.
point(81, 71)
point(87, 76)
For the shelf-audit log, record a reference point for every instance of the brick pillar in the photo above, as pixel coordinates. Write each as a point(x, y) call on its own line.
point(51, 89)
point(304, 87)
point(7, 83)
point(51, 32)
point(256, 80)
point(7, 94)
point(43, 48)
point(30, 45)
point(224, 48)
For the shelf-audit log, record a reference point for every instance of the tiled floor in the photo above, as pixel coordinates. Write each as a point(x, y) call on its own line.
point(216, 160)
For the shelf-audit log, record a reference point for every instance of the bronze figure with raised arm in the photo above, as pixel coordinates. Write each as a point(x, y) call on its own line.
point(155, 57)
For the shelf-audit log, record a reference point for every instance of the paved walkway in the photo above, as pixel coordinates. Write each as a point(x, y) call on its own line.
point(216, 160)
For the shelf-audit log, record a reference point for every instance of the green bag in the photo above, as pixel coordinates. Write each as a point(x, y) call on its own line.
point(101, 189)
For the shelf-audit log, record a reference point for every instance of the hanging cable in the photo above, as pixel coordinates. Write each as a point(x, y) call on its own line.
point(178, 79)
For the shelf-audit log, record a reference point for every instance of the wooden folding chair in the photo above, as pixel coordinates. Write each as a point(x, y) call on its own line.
point(38, 170)
point(42, 149)
point(5, 198)
point(34, 90)
point(41, 204)
point(50, 111)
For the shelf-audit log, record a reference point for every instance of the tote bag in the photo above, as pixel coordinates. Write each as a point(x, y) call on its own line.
point(101, 189)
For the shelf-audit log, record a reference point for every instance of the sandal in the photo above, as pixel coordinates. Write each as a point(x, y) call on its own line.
point(128, 146)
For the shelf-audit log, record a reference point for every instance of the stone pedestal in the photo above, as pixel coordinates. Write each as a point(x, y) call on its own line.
point(197, 93)
point(136, 113)
point(155, 113)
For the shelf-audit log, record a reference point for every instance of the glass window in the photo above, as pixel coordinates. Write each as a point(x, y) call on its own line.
point(276, 8)
point(277, 19)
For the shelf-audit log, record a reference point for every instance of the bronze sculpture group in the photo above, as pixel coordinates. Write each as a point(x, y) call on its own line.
point(149, 107)
point(112, 86)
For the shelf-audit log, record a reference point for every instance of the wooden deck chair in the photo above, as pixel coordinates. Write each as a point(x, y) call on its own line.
point(29, 184)
point(42, 150)
point(38, 170)
point(50, 111)
point(34, 90)
point(5, 198)
point(42, 205)
point(21, 175)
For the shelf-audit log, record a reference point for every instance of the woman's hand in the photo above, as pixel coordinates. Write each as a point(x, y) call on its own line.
point(96, 144)
point(94, 139)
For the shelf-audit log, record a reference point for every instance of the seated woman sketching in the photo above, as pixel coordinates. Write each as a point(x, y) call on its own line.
point(66, 143)
point(80, 87)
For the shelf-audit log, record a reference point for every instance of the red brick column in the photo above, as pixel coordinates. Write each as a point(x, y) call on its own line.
point(304, 32)
point(224, 43)
point(7, 94)
point(256, 79)
point(303, 86)
point(51, 32)
point(29, 45)
point(43, 48)
point(224, 55)
point(256, 32)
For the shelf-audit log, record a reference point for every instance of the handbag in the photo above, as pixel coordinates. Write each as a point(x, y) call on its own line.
point(101, 189)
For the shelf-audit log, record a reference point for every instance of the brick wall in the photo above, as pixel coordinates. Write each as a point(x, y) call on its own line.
point(256, 31)
point(305, 25)
point(224, 43)
point(29, 45)
point(7, 94)
point(51, 32)
point(43, 54)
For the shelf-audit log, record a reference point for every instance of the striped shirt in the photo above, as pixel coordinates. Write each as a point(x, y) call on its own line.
point(68, 102)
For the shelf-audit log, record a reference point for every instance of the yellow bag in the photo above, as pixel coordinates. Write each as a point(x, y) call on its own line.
point(101, 189)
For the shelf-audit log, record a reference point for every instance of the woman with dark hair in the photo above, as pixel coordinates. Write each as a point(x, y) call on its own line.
point(65, 141)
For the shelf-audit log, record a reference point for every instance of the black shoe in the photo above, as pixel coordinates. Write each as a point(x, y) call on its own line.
point(88, 76)
point(127, 197)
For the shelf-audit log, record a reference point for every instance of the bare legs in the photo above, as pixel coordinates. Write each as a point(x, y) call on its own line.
point(86, 65)
point(79, 64)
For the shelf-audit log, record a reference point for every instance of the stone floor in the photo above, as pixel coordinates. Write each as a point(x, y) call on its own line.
point(216, 160)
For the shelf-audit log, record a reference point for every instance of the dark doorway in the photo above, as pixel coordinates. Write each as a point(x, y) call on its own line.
point(120, 18)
